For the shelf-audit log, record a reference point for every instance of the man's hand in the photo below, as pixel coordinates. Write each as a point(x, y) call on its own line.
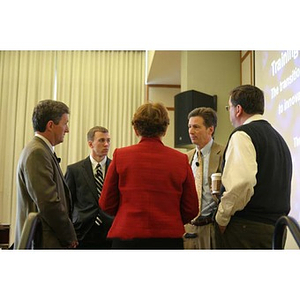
point(222, 228)
point(74, 244)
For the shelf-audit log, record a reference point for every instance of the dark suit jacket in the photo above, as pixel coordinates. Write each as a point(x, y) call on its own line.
point(81, 182)
point(41, 187)
point(150, 188)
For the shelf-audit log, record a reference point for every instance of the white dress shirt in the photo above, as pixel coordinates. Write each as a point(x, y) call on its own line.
point(239, 174)
point(95, 163)
point(46, 141)
point(207, 204)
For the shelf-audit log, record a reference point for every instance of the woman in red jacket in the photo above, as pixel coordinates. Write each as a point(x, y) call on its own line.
point(149, 188)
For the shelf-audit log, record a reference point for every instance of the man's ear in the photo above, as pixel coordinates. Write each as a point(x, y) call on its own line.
point(212, 130)
point(239, 110)
point(49, 125)
point(90, 144)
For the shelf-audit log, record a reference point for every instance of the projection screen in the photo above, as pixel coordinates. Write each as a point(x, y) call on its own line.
point(277, 73)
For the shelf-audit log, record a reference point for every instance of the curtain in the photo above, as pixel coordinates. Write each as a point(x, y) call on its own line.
point(25, 78)
point(100, 87)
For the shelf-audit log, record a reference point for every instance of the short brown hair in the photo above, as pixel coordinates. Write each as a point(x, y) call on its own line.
point(249, 97)
point(92, 131)
point(48, 110)
point(208, 114)
point(151, 120)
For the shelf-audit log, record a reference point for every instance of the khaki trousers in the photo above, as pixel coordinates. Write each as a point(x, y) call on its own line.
point(205, 237)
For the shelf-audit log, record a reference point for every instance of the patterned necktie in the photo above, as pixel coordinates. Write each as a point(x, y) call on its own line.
point(199, 179)
point(99, 185)
point(99, 179)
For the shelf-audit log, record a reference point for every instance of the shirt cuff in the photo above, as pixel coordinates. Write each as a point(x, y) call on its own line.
point(220, 218)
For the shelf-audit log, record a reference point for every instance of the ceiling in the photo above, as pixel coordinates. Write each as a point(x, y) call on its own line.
point(165, 68)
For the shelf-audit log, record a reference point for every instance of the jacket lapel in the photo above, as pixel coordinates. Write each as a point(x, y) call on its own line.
point(65, 185)
point(108, 161)
point(214, 159)
point(190, 155)
point(88, 175)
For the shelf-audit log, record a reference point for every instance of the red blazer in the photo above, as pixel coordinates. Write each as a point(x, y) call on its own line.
point(150, 189)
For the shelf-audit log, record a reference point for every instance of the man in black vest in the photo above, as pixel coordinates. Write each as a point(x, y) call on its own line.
point(256, 176)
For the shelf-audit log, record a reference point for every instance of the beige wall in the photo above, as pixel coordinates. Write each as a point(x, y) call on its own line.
point(149, 59)
point(213, 73)
point(210, 72)
point(247, 68)
point(166, 96)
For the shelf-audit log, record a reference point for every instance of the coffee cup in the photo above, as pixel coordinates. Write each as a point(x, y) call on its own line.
point(215, 183)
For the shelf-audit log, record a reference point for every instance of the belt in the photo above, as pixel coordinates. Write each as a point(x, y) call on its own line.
point(201, 221)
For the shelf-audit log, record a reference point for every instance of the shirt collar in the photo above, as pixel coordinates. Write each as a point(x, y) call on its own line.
point(46, 141)
point(206, 149)
point(256, 117)
point(95, 163)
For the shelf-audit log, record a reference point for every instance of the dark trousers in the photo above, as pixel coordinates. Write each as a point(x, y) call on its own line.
point(152, 243)
point(95, 239)
point(245, 234)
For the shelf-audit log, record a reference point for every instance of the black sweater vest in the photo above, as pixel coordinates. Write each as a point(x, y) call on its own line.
point(271, 198)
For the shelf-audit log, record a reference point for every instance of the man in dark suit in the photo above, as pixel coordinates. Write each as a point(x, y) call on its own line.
point(40, 183)
point(90, 222)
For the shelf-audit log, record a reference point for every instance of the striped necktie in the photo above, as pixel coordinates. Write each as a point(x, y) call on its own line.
point(99, 185)
point(99, 179)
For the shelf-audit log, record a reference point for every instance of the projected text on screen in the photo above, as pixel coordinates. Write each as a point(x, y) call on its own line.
point(277, 73)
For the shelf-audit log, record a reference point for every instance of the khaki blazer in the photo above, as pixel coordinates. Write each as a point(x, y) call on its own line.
point(215, 161)
point(41, 187)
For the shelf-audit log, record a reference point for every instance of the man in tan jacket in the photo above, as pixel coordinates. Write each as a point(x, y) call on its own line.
point(205, 160)
point(40, 183)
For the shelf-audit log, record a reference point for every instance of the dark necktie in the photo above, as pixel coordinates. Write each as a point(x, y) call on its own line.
point(99, 185)
point(99, 179)
point(57, 158)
